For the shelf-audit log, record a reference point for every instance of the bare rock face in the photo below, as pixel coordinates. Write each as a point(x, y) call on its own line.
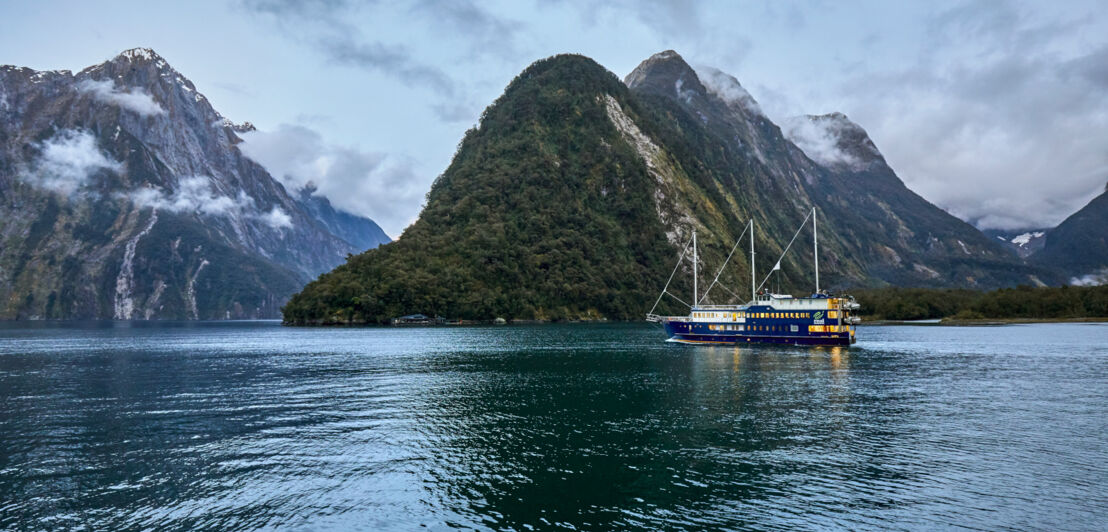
point(877, 230)
point(123, 195)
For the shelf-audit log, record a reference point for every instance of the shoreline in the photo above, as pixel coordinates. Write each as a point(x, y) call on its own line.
point(952, 322)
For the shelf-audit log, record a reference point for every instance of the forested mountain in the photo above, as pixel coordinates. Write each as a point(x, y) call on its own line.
point(123, 194)
point(1079, 245)
point(576, 192)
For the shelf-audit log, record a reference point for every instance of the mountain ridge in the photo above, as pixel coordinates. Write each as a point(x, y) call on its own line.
point(123, 195)
point(658, 155)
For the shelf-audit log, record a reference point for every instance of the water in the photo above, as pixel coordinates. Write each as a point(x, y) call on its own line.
point(227, 426)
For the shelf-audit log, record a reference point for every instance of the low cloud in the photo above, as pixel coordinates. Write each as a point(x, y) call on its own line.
point(819, 140)
point(67, 160)
point(727, 88)
point(136, 99)
point(1092, 279)
point(276, 218)
point(196, 195)
point(368, 184)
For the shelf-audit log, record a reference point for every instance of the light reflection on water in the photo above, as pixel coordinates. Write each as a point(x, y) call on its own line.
point(247, 425)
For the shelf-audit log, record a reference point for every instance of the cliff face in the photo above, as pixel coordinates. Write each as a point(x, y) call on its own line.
point(875, 230)
point(123, 195)
point(576, 193)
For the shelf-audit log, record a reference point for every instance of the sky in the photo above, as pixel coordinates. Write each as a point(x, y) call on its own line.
point(996, 111)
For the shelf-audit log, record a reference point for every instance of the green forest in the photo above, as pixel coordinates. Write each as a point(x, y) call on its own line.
point(524, 224)
point(1022, 302)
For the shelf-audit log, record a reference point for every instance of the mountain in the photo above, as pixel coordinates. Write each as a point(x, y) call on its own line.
point(361, 233)
point(575, 194)
point(1023, 243)
point(877, 230)
point(123, 194)
point(1079, 245)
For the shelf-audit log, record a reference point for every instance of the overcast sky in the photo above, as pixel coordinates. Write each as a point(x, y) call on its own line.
point(996, 111)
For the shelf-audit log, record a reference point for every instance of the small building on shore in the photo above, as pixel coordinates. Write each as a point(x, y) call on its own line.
point(418, 319)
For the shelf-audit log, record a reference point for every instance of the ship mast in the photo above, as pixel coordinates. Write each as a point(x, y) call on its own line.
point(815, 246)
point(694, 260)
point(752, 289)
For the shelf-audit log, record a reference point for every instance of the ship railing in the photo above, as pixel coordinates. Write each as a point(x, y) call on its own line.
point(720, 307)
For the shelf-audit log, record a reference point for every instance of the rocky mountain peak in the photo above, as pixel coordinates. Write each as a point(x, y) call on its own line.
point(833, 140)
point(137, 55)
point(666, 73)
point(126, 175)
point(143, 69)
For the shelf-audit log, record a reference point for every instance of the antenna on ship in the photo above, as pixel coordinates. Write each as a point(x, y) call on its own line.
point(694, 260)
point(815, 246)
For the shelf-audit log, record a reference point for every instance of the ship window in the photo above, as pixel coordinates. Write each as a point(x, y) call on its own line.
point(833, 314)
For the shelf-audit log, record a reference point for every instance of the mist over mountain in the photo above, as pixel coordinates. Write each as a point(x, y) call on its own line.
point(576, 193)
point(124, 194)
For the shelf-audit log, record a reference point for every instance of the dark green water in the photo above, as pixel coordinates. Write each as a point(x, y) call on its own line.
point(228, 426)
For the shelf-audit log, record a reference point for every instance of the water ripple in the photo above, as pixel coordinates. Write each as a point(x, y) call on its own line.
point(230, 426)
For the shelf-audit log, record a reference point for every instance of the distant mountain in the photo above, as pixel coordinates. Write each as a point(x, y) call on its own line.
point(123, 194)
point(877, 230)
point(1023, 243)
point(361, 233)
point(1079, 245)
point(576, 193)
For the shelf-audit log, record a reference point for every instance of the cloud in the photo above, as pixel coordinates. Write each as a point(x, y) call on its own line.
point(67, 160)
point(136, 99)
point(819, 140)
point(1002, 119)
point(368, 184)
point(486, 32)
point(445, 34)
point(276, 218)
point(196, 195)
point(393, 60)
point(727, 88)
point(1093, 279)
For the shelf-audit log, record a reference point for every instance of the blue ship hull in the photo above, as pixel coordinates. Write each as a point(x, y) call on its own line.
point(699, 333)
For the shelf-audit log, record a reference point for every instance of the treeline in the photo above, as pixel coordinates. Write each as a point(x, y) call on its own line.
point(1022, 302)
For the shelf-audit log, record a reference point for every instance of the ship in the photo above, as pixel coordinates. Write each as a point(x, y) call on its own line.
point(768, 318)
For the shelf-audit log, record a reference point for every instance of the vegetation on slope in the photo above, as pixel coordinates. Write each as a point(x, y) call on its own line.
point(531, 220)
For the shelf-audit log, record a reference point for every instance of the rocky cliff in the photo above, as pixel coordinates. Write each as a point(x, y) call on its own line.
point(123, 194)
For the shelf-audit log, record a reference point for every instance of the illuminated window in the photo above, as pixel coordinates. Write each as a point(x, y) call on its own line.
point(832, 314)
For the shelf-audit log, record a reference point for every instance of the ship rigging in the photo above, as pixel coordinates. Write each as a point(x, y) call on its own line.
point(819, 319)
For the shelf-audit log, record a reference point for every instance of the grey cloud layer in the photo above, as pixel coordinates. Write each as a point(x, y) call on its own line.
point(1002, 120)
point(359, 182)
point(999, 115)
